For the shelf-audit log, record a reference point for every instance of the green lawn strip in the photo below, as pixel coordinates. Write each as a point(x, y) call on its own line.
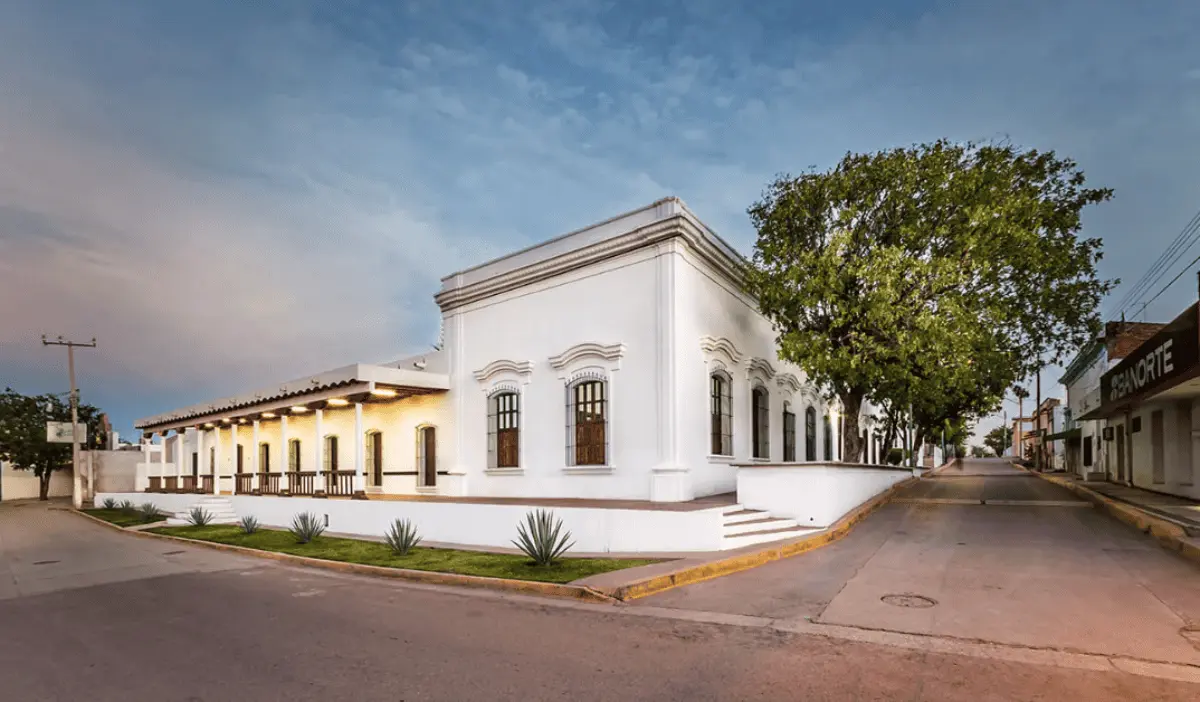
point(116, 516)
point(443, 560)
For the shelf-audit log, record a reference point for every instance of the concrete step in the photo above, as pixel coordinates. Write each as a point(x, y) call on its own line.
point(764, 523)
point(764, 536)
point(744, 515)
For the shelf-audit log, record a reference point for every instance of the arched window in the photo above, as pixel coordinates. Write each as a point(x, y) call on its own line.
point(504, 426)
point(587, 423)
point(331, 454)
point(721, 414)
point(264, 457)
point(294, 455)
point(789, 432)
point(374, 458)
point(828, 438)
point(760, 427)
point(810, 434)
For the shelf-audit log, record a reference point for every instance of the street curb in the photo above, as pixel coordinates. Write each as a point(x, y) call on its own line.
point(525, 587)
point(1170, 536)
point(715, 569)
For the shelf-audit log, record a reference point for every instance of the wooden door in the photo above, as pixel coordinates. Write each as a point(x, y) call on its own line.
point(376, 447)
point(1121, 453)
point(429, 451)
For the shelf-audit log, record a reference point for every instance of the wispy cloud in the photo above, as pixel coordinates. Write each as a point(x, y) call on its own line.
point(230, 193)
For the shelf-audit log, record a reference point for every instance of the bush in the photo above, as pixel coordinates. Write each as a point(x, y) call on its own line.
point(199, 516)
point(248, 524)
point(110, 503)
point(149, 512)
point(306, 526)
point(128, 508)
point(402, 537)
point(895, 456)
point(541, 537)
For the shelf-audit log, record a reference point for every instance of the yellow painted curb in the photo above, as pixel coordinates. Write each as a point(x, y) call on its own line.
point(528, 587)
point(715, 569)
point(1169, 535)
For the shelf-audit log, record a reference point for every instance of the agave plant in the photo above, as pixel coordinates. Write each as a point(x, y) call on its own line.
point(110, 503)
point(541, 537)
point(402, 537)
point(306, 526)
point(127, 507)
point(248, 524)
point(149, 512)
point(199, 516)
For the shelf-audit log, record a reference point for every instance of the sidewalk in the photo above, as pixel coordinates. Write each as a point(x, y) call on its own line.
point(1183, 511)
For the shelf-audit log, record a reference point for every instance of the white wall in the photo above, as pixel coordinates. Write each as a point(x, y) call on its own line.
point(815, 495)
point(593, 530)
point(23, 484)
point(1181, 474)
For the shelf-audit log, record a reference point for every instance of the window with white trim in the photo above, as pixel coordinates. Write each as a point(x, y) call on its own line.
point(331, 453)
point(721, 414)
point(789, 432)
point(810, 434)
point(760, 425)
point(587, 422)
point(294, 455)
point(504, 429)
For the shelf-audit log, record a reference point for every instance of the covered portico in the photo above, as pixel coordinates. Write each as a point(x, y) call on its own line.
point(293, 431)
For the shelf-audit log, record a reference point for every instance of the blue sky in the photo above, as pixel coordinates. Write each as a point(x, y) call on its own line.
point(228, 194)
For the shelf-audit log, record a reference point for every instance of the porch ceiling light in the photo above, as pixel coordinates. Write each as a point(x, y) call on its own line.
point(299, 408)
point(268, 415)
point(338, 401)
point(383, 392)
point(208, 425)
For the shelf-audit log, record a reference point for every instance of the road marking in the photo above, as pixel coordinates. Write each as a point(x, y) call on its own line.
point(936, 501)
point(1039, 503)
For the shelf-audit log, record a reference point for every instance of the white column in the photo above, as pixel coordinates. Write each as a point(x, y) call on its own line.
point(162, 462)
point(216, 466)
point(201, 455)
point(233, 453)
point(835, 433)
point(254, 468)
point(360, 483)
point(179, 454)
point(319, 480)
point(147, 445)
point(283, 453)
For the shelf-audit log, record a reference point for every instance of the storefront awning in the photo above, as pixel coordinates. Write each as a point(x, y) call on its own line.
point(1069, 434)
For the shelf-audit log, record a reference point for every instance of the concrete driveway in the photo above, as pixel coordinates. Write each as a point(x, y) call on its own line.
point(986, 552)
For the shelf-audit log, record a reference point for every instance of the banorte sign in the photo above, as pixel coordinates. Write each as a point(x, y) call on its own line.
point(1170, 354)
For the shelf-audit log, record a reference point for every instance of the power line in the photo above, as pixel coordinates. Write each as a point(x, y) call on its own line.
point(1161, 266)
point(1164, 288)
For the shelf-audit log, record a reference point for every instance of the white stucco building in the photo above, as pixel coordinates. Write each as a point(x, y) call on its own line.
point(621, 361)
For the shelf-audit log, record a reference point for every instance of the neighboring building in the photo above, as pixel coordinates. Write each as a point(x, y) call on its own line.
point(1022, 437)
point(1150, 405)
point(1083, 449)
point(622, 361)
point(1047, 419)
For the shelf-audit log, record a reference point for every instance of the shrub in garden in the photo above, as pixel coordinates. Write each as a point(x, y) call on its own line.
point(110, 503)
point(149, 512)
point(199, 517)
point(541, 537)
point(127, 507)
point(402, 536)
point(306, 526)
point(248, 524)
point(895, 456)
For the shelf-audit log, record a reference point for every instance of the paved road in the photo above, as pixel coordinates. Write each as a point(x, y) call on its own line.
point(121, 618)
point(1051, 573)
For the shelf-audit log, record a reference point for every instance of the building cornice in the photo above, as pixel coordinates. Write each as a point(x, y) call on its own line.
point(681, 226)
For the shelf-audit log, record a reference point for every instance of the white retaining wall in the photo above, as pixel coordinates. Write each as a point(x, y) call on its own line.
point(814, 494)
point(474, 524)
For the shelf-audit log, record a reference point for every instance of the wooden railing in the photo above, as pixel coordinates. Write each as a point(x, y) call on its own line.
point(339, 482)
point(303, 482)
point(155, 484)
point(244, 483)
point(188, 483)
point(206, 484)
point(268, 483)
point(170, 483)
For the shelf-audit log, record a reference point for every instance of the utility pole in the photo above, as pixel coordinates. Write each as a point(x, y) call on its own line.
point(1037, 408)
point(76, 488)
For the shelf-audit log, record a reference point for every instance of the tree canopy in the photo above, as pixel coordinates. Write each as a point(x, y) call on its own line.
point(931, 276)
point(23, 433)
point(998, 439)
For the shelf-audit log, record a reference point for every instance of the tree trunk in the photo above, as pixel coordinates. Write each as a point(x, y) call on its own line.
point(851, 436)
point(44, 485)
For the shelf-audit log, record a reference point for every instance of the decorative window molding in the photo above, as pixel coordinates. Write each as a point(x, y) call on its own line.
point(810, 433)
point(588, 350)
point(720, 413)
point(760, 422)
point(714, 346)
point(761, 367)
point(504, 430)
point(518, 371)
point(588, 421)
point(789, 383)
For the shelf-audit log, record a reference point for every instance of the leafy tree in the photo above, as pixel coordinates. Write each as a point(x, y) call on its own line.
point(899, 274)
point(998, 439)
point(23, 433)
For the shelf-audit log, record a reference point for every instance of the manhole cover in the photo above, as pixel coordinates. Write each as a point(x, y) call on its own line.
point(918, 601)
point(44, 562)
